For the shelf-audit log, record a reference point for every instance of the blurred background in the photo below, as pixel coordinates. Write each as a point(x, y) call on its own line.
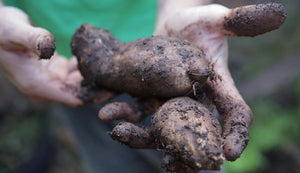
point(266, 70)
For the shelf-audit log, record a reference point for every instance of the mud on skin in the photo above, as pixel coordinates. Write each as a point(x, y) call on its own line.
point(101, 56)
point(255, 19)
point(46, 47)
point(157, 66)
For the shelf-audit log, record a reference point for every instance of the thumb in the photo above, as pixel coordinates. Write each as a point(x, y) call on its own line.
point(17, 34)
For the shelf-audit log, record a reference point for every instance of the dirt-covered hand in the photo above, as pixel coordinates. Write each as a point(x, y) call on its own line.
point(24, 54)
point(207, 26)
point(165, 67)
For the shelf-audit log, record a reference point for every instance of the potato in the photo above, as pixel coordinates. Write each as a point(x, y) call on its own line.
point(157, 66)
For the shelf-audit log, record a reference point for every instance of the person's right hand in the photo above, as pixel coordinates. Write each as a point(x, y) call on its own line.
point(207, 26)
point(24, 54)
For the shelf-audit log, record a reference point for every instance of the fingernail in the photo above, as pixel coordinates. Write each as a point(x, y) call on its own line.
point(46, 46)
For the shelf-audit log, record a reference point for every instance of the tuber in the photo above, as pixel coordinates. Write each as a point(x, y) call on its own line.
point(157, 66)
point(187, 130)
point(190, 133)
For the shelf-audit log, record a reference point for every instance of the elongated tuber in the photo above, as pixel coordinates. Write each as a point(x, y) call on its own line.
point(154, 67)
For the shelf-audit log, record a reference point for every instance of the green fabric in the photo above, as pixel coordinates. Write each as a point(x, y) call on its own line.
point(125, 19)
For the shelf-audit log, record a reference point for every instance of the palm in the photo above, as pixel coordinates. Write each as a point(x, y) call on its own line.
point(57, 79)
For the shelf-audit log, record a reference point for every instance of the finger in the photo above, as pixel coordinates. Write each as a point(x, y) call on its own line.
point(236, 114)
point(135, 111)
point(70, 95)
point(120, 110)
point(74, 78)
point(55, 93)
point(73, 64)
point(16, 34)
point(254, 20)
point(94, 96)
point(133, 136)
point(57, 66)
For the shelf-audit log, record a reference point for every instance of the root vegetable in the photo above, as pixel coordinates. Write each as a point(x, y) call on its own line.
point(186, 129)
point(190, 133)
point(152, 67)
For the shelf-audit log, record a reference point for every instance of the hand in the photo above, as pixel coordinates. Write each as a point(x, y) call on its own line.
point(207, 27)
point(24, 54)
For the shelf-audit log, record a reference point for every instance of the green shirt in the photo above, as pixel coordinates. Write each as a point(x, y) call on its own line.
point(126, 19)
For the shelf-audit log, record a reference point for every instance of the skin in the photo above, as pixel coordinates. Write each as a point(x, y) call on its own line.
point(20, 53)
point(133, 136)
point(133, 112)
point(207, 26)
point(21, 48)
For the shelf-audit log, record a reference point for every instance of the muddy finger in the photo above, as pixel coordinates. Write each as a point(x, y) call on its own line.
point(134, 111)
point(254, 20)
point(133, 136)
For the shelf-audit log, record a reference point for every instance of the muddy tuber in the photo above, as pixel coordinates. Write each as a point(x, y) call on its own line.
point(186, 129)
point(190, 133)
point(157, 66)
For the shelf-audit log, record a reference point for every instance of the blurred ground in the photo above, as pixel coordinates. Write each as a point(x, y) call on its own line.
point(267, 64)
point(23, 127)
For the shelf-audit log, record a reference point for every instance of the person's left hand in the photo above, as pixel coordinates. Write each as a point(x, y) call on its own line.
point(24, 59)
